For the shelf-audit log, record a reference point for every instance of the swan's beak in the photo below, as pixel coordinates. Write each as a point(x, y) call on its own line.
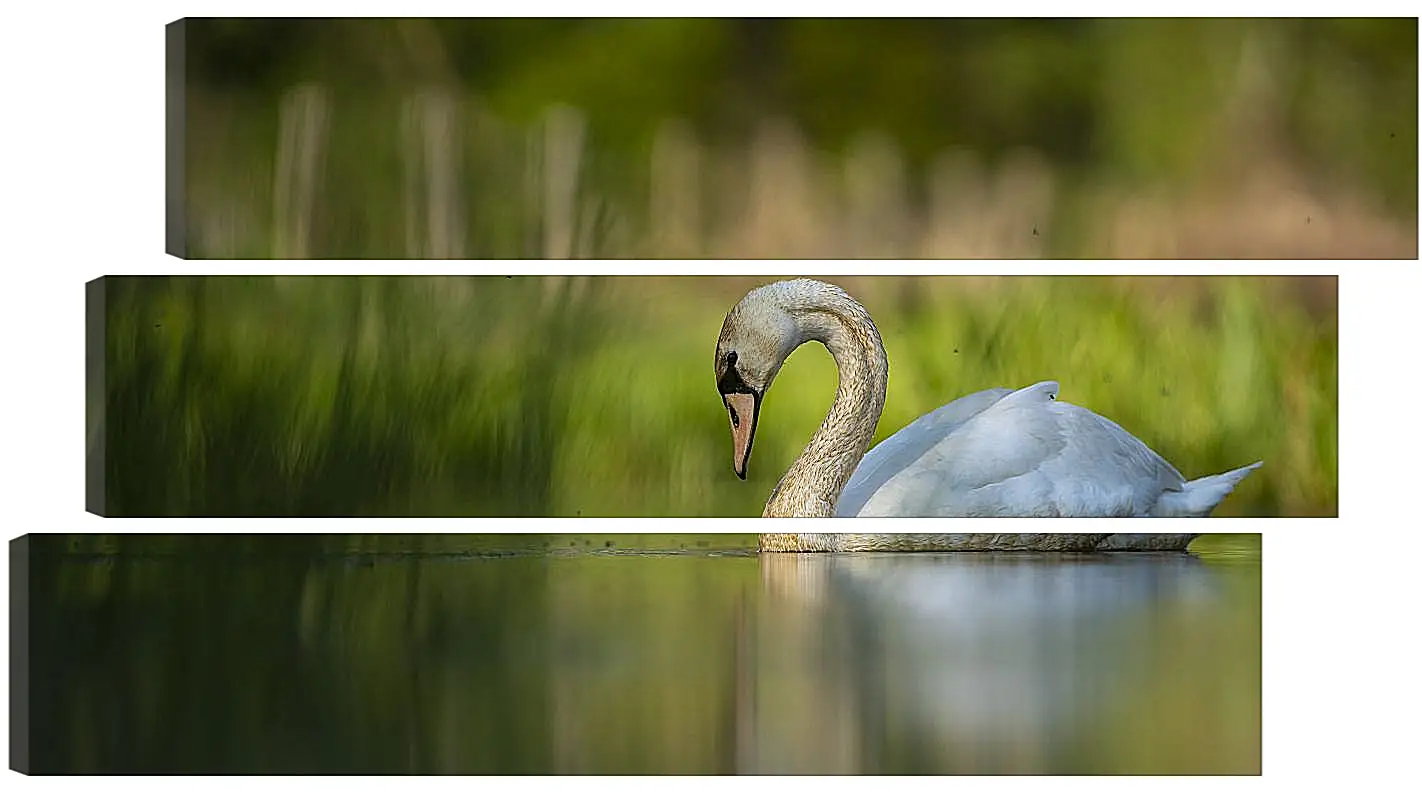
point(743, 409)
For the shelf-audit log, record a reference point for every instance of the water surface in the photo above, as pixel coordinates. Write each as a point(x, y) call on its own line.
point(636, 654)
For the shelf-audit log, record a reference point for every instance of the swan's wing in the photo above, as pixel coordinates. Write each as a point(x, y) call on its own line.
point(1026, 454)
point(1104, 471)
point(907, 445)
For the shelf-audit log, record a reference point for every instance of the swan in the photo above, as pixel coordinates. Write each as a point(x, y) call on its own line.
point(993, 453)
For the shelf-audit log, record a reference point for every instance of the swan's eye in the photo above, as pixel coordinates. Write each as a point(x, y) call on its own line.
point(731, 359)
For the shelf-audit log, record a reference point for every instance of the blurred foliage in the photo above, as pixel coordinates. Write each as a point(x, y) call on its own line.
point(228, 654)
point(1235, 121)
point(586, 396)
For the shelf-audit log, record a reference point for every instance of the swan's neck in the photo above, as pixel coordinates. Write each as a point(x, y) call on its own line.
point(812, 486)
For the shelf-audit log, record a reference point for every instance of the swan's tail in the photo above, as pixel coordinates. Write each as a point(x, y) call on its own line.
point(1199, 497)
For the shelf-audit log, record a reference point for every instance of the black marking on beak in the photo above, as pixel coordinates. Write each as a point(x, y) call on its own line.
point(730, 381)
point(731, 384)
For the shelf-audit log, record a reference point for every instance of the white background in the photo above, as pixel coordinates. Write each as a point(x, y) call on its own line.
point(82, 144)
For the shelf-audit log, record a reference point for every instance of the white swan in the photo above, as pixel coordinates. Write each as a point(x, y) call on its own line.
point(993, 453)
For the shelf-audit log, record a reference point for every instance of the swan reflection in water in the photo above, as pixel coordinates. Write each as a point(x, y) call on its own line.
point(965, 662)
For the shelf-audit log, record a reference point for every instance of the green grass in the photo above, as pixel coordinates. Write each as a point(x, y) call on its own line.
point(595, 396)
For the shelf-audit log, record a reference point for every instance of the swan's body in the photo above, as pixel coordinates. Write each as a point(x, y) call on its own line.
point(926, 542)
point(993, 453)
point(970, 542)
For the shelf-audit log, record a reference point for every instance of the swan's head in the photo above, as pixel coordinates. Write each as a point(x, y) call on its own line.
point(756, 338)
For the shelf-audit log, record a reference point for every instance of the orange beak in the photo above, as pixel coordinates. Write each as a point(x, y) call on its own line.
point(743, 409)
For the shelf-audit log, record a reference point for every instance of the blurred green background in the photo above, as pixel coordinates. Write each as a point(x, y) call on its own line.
point(761, 138)
point(595, 396)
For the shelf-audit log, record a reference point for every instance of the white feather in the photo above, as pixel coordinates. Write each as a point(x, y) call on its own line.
point(1025, 454)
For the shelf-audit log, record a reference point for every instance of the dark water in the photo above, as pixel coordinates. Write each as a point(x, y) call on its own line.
point(674, 654)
